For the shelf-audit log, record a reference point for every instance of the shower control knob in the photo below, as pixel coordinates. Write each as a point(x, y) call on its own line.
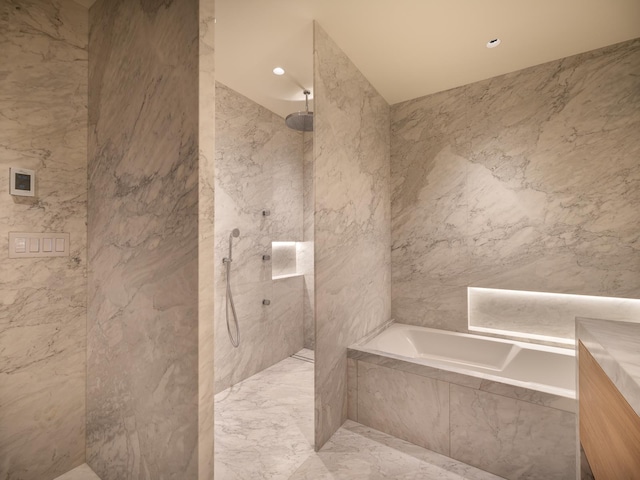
point(266, 258)
point(266, 302)
point(266, 213)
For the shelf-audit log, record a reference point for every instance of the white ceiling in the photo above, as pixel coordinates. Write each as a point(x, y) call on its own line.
point(406, 48)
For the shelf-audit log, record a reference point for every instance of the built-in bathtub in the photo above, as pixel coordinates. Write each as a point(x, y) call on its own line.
point(504, 406)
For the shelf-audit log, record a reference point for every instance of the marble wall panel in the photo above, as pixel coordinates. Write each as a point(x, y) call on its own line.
point(206, 238)
point(306, 258)
point(407, 406)
point(510, 431)
point(143, 327)
point(527, 181)
point(352, 389)
point(352, 222)
point(43, 127)
point(258, 167)
point(511, 438)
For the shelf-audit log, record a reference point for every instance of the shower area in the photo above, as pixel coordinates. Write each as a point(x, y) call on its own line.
point(264, 237)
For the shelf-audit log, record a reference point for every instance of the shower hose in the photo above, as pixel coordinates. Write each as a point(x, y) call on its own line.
point(235, 342)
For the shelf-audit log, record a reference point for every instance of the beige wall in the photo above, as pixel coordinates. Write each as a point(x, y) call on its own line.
point(259, 167)
point(43, 105)
point(527, 181)
point(143, 326)
point(352, 222)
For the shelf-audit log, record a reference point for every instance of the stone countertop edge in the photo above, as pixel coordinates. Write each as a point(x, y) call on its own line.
point(615, 346)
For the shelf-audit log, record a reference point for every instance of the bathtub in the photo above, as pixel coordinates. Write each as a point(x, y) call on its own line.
point(536, 367)
point(503, 406)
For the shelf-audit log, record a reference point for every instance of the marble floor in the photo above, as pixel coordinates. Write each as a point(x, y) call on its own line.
point(264, 430)
point(83, 472)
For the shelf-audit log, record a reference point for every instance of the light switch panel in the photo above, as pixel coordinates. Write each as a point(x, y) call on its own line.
point(31, 245)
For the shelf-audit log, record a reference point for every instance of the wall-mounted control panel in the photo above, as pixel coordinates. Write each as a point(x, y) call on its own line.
point(23, 182)
point(29, 245)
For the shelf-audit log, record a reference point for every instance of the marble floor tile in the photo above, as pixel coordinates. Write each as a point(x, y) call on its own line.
point(264, 430)
point(83, 472)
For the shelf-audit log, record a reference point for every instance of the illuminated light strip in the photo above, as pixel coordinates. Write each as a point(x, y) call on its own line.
point(497, 292)
point(544, 294)
point(283, 244)
point(531, 336)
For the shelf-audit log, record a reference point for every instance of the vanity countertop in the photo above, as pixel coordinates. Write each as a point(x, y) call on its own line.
point(616, 348)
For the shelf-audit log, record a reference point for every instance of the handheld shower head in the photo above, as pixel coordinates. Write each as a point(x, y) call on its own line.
point(234, 233)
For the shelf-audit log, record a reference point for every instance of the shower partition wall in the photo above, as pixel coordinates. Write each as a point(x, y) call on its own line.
point(258, 189)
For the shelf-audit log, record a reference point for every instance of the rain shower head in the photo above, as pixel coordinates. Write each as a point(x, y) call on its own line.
point(301, 121)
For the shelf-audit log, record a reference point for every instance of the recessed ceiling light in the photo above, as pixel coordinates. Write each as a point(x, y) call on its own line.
point(493, 43)
point(278, 71)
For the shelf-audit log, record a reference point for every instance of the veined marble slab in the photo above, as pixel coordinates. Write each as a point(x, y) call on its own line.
point(144, 368)
point(526, 181)
point(206, 237)
point(352, 222)
point(43, 301)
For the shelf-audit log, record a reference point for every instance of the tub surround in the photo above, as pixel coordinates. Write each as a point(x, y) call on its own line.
point(524, 433)
point(43, 127)
point(255, 145)
point(531, 367)
point(143, 360)
point(352, 222)
point(523, 181)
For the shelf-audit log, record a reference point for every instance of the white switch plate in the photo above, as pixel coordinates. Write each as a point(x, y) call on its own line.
point(31, 245)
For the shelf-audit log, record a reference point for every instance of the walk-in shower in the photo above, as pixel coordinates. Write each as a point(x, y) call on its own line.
point(264, 189)
point(229, 299)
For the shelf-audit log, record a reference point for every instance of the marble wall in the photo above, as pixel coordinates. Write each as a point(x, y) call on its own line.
point(259, 167)
point(206, 238)
point(143, 326)
point(307, 261)
point(352, 222)
point(43, 100)
point(527, 181)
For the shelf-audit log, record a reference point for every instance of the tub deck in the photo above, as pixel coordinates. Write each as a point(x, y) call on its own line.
point(534, 367)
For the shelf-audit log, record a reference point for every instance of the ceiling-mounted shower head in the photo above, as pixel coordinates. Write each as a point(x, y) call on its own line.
point(301, 121)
